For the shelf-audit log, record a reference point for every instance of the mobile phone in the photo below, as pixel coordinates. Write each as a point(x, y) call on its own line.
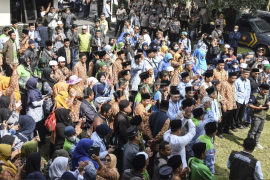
point(22, 161)
point(94, 150)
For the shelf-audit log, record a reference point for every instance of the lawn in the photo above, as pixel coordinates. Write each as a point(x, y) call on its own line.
point(240, 50)
point(225, 146)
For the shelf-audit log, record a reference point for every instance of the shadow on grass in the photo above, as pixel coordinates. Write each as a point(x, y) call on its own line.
point(234, 138)
point(221, 173)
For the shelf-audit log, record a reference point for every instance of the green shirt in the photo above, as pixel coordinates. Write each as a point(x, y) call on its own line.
point(92, 104)
point(199, 170)
point(84, 45)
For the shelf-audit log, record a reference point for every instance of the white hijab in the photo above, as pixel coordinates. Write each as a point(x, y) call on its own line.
point(58, 167)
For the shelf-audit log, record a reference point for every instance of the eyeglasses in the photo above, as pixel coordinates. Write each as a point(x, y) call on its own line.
point(83, 29)
point(108, 160)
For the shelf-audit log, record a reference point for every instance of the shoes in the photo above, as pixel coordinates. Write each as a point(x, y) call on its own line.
point(245, 127)
point(220, 136)
point(240, 127)
point(235, 130)
point(229, 132)
point(85, 18)
point(259, 146)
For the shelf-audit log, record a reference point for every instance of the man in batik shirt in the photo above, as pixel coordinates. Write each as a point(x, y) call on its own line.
point(62, 67)
point(80, 68)
point(57, 74)
point(219, 72)
point(117, 66)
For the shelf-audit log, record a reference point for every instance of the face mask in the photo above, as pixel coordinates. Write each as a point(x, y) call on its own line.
point(235, 30)
point(176, 48)
point(72, 139)
point(128, 38)
point(235, 66)
point(155, 46)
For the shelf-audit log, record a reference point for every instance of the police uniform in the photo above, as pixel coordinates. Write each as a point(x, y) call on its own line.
point(163, 25)
point(130, 149)
point(258, 115)
point(174, 30)
point(144, 21)
point(153, 23)
point(120, 13)
point(184, 18)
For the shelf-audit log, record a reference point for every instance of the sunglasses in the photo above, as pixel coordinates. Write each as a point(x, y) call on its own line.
point(108, 160)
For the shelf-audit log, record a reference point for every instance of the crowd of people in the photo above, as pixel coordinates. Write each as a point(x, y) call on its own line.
point(148, 104)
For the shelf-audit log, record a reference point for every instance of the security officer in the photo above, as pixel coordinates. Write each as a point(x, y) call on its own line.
point(120, 13)
point(258, 103)
point(163, 24)
point(198, 168)
point(133, 11)
point(174, 29)
point(154, 6)
point(147, 7)
point(210, 132)
point(131, 147)
point(184, 17)
point(153, 23)
point(239, 162)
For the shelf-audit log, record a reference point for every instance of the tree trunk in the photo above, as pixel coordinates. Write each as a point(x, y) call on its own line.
point(267, 6)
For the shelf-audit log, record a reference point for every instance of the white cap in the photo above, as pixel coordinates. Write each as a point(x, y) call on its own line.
point(265, 62)
point(170, 68)
point(227, 46)
point(52, 63)
point(84, 27)
point(61, 59)
point(147, 67)
point(146, 155)
point(243, 65)
point(59, 22)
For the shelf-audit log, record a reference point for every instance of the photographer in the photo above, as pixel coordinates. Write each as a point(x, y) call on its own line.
point(217, 33)
point(213, 50)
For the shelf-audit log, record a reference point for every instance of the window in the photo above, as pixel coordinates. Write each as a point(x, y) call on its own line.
point(262, 26)
point(30, 11)
point(16, 10)
point(245, 26)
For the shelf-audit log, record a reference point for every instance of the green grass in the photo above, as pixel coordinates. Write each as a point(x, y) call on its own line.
point(240, 50)
point(225, 146)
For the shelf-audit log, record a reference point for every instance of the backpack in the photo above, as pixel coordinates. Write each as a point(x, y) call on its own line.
point(50, 122)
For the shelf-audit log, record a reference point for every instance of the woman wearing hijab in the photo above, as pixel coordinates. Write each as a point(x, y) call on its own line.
point(5, 112)
point(61, 86)
point(47, 89)
point(41, 66)
point(144, 47)
point(71, 140)
point(58, 167)
point(165, 62)
point(177, 64)
point(81, 153)
point(27, 127)
point(61, 100)
point(7, 139)
point(153, 44)
point(200, 59)
point(33, 163)
point(9, 171)
point(63, 120)
point(28, 148)
point(24, 72)
point(162, 51)
point(234, 66)
point(99, 138)
point(35, 107)
point(101, 77)
point(175, 48)
point(10, 86)
point(107, 169)
point(36, 175)
point(75, 91)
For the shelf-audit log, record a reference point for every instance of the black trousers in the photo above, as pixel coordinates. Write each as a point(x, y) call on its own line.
point(227, 118)
point(142, 28)
point(24, 104)
point(99, 8)
point(119, 27)
point(184, 24)
point(119, 154)
point(8, 70)
point(238, 115)
point(87, 59)
point(152, 31)
point(235, 51)
point(108, 19)
point(41, 131)
point(174, 37)
point(165, 33)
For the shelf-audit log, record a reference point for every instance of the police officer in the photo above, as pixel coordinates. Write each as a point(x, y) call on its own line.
point(163, 24)
point(258, 104)
point(120, 13)
point(133, 11)
point(239, 162)
point(174, 29)
point(184, 17)
point(144, 20)
point(147, 6)
point(153, 23)
point(131, 147)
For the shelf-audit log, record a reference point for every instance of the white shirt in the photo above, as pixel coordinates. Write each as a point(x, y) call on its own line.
point(147, 39)
point(42, 13)
point(258, 175)
point(31, 35)
point(178, 143)
point(107, 10)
